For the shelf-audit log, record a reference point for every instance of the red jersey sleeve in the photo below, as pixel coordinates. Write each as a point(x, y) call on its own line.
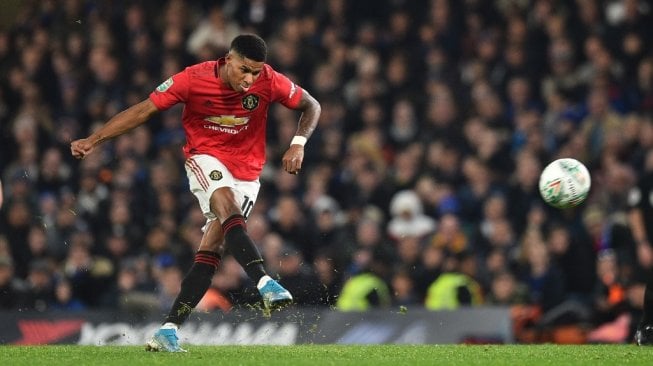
point(172, 91)
point(285, 91)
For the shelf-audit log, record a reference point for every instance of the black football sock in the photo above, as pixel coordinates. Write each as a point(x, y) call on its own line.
point(194, 286)
point(239, 244)
point(647, 316)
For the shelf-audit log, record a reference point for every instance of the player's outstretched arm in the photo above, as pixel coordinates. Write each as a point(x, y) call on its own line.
point(294, 156)
point(122, 122)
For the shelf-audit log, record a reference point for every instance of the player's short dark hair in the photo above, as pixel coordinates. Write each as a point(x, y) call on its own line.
point(250, 46)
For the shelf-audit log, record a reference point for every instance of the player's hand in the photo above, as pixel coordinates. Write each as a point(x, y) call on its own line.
point(293, 158)
point(81, 148)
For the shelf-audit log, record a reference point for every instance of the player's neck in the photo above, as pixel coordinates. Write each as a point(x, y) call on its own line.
point(222, 75)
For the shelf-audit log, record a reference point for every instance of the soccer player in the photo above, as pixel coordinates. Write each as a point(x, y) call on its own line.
point(640, 219)
point(224, 118)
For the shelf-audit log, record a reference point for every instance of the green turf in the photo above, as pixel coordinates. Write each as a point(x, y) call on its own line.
point(337, 355)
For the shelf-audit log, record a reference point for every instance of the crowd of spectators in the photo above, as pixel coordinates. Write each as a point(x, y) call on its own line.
point(438, 116)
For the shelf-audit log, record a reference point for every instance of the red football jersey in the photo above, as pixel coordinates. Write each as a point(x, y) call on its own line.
point(222, 122)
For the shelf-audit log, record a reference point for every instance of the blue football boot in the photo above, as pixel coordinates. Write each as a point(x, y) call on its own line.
point(274, 296)
point(164, 340)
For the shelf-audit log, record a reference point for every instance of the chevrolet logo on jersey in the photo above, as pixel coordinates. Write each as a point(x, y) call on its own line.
point(228, 120)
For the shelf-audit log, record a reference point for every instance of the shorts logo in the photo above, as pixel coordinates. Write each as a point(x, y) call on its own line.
point(250, 102)
point(165, 85)
point(215, 175)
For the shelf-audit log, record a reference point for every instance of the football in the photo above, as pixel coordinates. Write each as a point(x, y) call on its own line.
point(565, 183)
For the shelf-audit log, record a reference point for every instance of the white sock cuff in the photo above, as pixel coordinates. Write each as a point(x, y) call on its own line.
point(170, 325)
point(263, 281)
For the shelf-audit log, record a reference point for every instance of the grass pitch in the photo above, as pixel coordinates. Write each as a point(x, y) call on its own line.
point(336, 355)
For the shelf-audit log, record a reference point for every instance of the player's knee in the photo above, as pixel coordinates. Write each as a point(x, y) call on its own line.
point(212, 246)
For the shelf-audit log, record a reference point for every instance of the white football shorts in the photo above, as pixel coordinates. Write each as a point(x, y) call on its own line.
point(206, 174)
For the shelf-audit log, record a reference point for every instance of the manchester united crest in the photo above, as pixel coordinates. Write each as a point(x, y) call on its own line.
point(215, 175)
point(250, 102)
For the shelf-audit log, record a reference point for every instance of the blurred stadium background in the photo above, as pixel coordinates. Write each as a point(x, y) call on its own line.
point(437, 118)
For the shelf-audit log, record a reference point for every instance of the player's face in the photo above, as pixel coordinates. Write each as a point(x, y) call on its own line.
point(242, 72)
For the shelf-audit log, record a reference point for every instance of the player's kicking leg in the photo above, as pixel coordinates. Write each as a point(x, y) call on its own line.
point(230, 203)
point(239, 244)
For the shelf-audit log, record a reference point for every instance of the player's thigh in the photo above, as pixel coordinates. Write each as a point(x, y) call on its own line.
point(240, 199)
point(217, 190)
point(245, 194)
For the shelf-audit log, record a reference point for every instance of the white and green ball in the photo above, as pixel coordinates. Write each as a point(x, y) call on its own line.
point(565, 183)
